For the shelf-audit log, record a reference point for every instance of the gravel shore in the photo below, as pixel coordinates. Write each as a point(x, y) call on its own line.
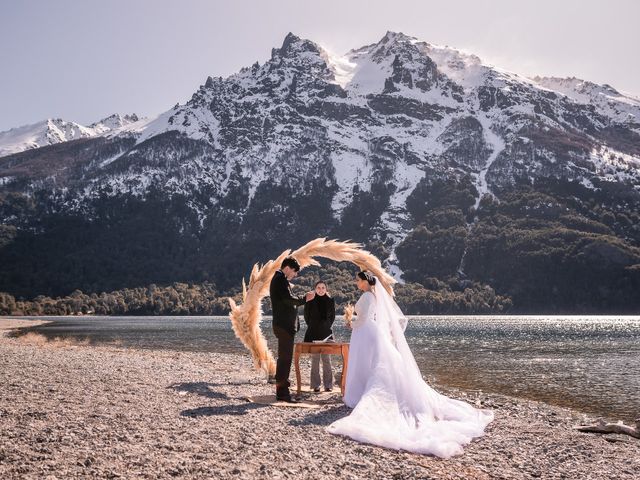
point(79, 411)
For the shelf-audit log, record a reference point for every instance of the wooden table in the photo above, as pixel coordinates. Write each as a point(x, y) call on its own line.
point(332, 348)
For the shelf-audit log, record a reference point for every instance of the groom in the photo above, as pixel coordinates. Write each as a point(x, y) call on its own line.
point(285, 322)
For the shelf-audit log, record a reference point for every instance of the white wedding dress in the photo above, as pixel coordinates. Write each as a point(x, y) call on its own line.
point(393, 406)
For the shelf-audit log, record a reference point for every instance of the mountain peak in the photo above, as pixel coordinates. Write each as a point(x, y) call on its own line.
point(393, 44)
point(289, 40)
point(57, 130)
point(45, 132)
point(293, 45)
point(115, 121)
point(397, 37)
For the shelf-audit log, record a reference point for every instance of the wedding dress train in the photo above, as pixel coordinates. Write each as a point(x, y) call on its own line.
point(393, 406)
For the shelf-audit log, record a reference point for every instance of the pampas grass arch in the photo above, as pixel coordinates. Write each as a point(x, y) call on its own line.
point(245, 318)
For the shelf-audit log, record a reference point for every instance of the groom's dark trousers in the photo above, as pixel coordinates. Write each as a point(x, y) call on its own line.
point(285, 325)
point(285, 356)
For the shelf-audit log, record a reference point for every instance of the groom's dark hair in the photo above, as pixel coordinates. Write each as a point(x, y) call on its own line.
point(292, 263)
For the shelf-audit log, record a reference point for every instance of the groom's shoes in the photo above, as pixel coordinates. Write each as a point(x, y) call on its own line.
point(283, 394)
point(286, 398)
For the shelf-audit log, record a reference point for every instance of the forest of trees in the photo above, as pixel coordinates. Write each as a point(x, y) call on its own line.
point(175, 299)
point(556, 248)
point(205, 299)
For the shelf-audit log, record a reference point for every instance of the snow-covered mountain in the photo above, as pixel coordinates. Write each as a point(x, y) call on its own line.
point(434, 102)
point(57, 130)
point(311, 143)
point(621, 107)
point(115, 122)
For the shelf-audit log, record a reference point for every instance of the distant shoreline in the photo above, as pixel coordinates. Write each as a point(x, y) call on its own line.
point(11, 323)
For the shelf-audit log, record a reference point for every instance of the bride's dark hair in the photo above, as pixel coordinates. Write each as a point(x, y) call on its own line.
point(371, 280)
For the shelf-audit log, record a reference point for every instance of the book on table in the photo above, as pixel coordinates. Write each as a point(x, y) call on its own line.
point(329, 339)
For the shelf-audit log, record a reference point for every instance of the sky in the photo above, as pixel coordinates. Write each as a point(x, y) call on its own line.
point(82, 60)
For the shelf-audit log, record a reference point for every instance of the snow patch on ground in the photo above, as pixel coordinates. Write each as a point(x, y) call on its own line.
point(615, 166)
point(162, 123)
point(619, 106)
point(108, 161)
point(352, 169)
point(368, 76)
point(343, 69)
point(497, 145)
point(394, 220)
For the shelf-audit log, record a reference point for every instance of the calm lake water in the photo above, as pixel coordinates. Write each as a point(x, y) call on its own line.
point(588, 363)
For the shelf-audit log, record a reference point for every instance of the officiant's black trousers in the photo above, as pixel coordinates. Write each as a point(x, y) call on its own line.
point(285, 356)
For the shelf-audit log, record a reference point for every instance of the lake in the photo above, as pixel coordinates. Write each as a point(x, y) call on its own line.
point(588, 363)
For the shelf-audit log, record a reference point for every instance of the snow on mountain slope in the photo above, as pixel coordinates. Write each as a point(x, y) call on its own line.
point(619, 106)
point(56, 130)
point(41, 134)
point(113, 122)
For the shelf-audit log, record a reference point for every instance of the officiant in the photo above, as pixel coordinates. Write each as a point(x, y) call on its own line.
point(319, 315)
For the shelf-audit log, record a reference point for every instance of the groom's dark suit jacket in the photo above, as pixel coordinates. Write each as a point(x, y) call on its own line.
point(283, 304)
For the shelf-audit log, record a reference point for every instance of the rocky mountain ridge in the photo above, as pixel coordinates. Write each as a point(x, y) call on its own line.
point(56, 130)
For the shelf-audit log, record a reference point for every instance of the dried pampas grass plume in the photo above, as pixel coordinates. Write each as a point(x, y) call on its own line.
point(245, 318)
point(348, 314)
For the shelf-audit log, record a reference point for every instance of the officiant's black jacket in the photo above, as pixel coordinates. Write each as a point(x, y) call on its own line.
point(283, 304)
point(319, 314)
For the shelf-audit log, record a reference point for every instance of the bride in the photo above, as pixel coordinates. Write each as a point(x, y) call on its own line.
point(393, 406)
